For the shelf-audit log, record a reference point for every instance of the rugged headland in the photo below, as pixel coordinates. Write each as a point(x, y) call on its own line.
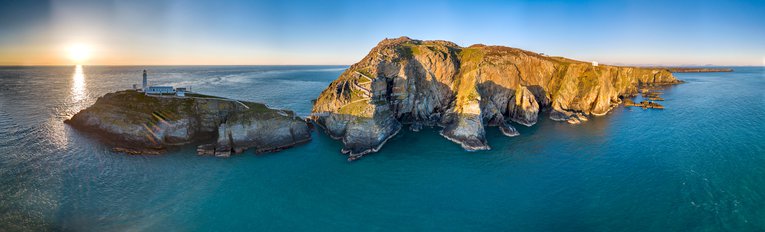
point(464, 89)
point(144, 124)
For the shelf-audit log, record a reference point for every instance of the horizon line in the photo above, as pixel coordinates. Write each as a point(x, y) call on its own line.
point(67, 65)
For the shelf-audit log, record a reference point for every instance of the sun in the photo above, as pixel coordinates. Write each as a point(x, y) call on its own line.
point(79, 53)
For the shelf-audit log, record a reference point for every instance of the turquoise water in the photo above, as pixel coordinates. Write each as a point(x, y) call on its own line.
point(699, 165)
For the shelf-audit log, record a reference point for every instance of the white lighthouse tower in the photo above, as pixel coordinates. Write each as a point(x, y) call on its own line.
point(145, 82)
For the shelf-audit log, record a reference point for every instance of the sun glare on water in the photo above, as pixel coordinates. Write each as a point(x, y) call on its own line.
point(79, 53)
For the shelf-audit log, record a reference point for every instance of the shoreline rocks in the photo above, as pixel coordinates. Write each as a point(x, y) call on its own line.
point(463, 89)
point(644, 104)
point(136, 123)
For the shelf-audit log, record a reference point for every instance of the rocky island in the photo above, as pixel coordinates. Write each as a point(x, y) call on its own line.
point(418, 83)
point(138, 123)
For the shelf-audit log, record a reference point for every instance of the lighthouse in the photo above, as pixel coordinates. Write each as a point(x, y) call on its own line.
point(145, 82)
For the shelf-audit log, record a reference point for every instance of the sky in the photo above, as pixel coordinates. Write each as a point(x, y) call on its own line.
point(247, 32)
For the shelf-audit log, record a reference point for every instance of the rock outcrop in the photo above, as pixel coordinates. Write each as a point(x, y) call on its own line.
point(523, 107)
point(463, 89)
point(643, 104)
point(137, 123)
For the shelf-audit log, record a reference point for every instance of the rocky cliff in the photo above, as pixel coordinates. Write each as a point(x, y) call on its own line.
point(138, 123)
point(464, 89)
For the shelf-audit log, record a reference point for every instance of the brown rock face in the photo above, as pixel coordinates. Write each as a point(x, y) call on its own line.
point(523, 108)
point(462, 89)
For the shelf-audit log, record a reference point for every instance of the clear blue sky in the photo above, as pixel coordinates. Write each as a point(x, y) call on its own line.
point(342, 32)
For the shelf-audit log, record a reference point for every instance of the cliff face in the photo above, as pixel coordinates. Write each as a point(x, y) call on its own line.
point(138, 123)
point(463, 89)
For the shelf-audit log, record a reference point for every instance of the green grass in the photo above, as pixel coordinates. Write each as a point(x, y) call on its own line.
point(258, 107)
point(202, 95)
point(471, 56)
point(365, 72)
point(588, 80)
point(357, 108)
point(560, 77)
point(410, 49)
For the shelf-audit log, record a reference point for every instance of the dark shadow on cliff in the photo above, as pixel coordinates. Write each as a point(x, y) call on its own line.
point(496, 101)
point(426, 107)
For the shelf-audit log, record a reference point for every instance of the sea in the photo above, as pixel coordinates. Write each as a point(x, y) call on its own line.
point(698, 165)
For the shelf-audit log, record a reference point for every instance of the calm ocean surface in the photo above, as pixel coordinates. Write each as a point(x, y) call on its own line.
point(699, 165)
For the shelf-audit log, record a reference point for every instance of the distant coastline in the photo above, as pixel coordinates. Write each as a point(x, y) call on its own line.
point(697, 70)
